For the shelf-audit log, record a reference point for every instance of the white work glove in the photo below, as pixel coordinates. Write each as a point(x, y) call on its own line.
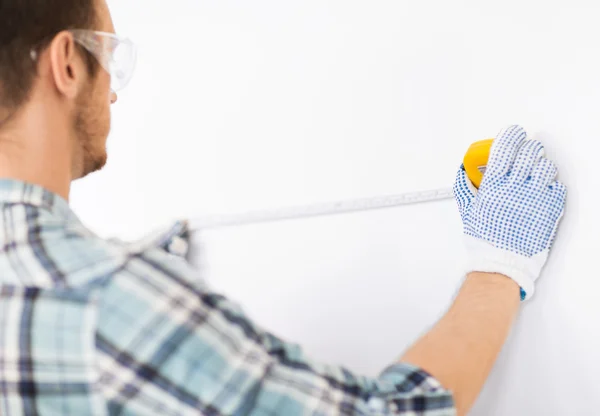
point(511, 221)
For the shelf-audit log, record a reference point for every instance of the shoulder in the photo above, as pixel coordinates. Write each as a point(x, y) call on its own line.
point(82, 258)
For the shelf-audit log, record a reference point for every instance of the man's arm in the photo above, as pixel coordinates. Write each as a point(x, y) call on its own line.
point(462, 347)
point(168, 344)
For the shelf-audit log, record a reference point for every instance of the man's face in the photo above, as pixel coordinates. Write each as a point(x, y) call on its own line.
point(91, 120)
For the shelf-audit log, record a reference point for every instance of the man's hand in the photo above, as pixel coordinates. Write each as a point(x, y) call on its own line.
point(511, 221)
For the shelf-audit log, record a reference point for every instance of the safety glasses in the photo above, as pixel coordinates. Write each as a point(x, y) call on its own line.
point(115, 54)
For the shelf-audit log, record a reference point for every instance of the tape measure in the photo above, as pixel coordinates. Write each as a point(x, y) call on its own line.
point(475, 161)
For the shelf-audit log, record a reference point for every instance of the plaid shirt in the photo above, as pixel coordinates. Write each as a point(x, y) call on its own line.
point(94, 327)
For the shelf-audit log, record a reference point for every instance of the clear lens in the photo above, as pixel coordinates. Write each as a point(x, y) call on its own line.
point(121, 64)
point(117, 56)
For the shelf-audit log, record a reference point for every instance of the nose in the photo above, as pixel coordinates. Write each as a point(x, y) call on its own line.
point(113, 97)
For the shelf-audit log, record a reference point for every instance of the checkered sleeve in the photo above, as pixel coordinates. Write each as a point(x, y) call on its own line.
point(168, 345)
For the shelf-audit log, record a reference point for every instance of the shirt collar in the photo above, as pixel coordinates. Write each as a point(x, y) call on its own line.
point(16, 192)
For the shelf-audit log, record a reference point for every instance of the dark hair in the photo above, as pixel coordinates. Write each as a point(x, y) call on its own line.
point(27, 25)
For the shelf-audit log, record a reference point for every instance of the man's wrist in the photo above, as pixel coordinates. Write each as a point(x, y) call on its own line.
point(497, 283)
point(485, 257)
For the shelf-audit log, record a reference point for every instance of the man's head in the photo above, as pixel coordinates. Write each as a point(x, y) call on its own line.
point(50, 82)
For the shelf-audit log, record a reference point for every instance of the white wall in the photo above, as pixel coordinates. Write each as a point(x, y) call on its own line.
point(238, 105)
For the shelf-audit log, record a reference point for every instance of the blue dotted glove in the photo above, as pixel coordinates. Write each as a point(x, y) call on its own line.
point(510, 223)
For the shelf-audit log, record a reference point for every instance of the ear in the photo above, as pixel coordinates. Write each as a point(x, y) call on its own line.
point(67, 67)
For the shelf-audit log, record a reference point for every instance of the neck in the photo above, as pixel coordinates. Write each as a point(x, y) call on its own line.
point(36, 148)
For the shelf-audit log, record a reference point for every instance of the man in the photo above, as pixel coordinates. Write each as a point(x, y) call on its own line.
point(95, 327)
